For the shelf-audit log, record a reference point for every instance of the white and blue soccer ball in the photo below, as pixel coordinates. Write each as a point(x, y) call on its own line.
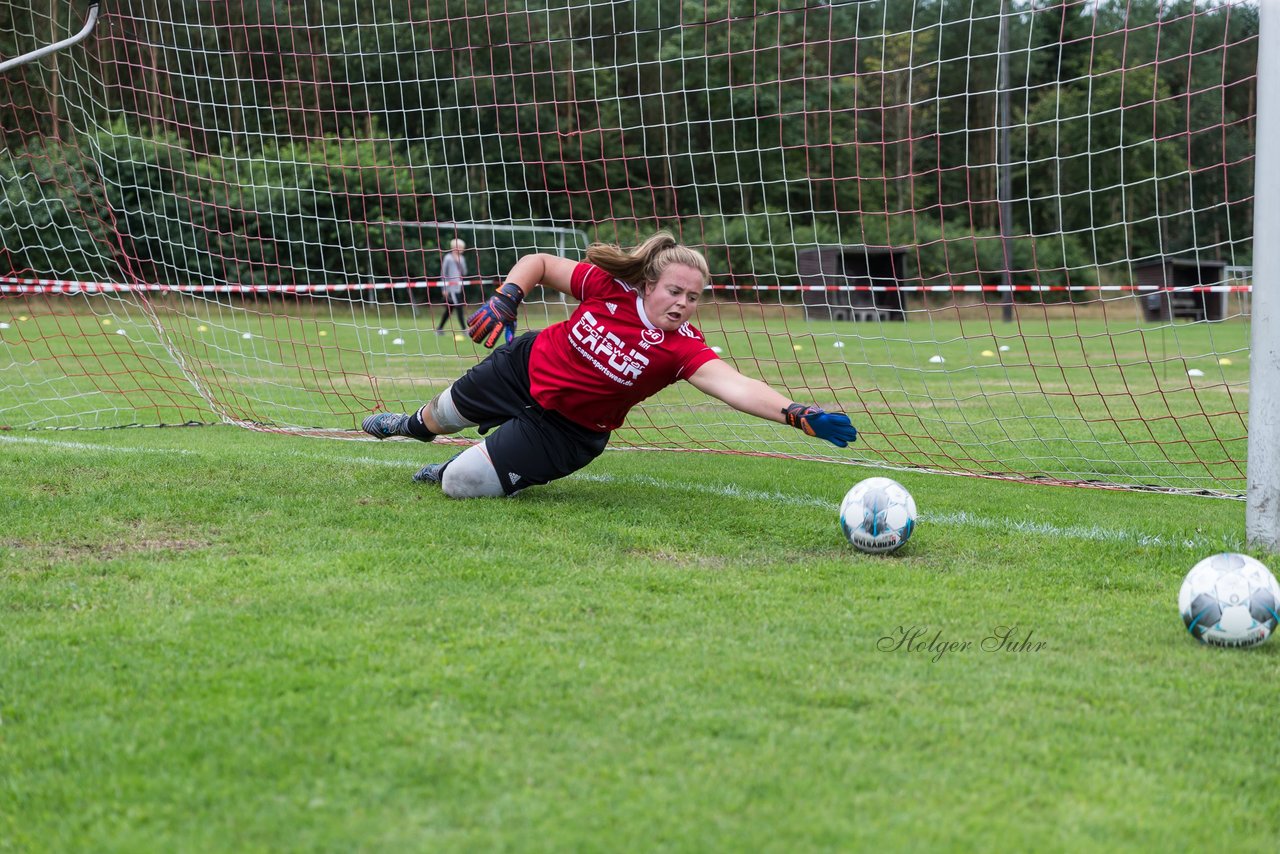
point(878, 515)
point(1230, 599)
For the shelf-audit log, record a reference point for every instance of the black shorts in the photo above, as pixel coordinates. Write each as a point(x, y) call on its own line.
point(530, 445)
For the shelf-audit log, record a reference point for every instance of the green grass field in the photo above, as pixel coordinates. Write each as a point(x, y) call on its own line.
point(213, 639)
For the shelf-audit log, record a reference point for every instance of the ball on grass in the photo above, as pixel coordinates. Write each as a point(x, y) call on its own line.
point(1230, 599)
point(878, 515)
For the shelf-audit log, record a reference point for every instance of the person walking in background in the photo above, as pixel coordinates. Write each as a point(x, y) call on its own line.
point(453, 270)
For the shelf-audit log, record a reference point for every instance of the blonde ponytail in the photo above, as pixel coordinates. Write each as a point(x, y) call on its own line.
point(644, 264)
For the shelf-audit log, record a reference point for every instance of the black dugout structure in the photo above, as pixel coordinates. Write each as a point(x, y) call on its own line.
point(1181, 273)
point(849, 282)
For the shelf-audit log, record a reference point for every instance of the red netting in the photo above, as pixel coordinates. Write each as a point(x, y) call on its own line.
point(1012, 246)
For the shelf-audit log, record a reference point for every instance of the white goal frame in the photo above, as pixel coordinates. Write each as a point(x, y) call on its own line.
point(1262, 509)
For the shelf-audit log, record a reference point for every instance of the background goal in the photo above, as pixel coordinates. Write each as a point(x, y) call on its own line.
point(1009, 239)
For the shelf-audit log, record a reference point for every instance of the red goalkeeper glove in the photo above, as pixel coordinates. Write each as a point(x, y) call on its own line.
point(832, 426)
point(495, 316)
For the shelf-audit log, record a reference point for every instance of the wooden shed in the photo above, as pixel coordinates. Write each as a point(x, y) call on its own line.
point(1181, 273)
point(852, 283)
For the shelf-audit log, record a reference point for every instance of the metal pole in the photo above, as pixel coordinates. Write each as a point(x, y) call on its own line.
point(31, 56)
point(1262, 509)
point(1004, 183)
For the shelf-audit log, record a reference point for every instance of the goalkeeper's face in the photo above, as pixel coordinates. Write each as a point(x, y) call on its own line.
point(673, 299)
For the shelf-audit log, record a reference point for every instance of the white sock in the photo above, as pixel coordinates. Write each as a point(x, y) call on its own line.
point(471, 475)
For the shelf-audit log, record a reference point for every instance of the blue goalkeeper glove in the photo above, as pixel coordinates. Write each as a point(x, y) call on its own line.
point(495, 316)
point(832, 426)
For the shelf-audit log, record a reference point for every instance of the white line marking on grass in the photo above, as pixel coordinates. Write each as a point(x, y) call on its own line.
point(364, 461)
point(125, 449)
point(1091, 533)
point(720, 491)
point(86, 446)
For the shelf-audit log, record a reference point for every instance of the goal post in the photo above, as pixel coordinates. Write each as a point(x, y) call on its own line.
point(1262, 513)
point(1005, 237)
point(91, 20)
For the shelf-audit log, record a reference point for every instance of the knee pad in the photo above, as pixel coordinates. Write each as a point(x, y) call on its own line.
point(471, 475)
point(446, 414)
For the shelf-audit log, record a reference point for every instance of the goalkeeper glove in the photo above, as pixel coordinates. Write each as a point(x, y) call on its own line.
point(495, 316)
point(832, 426)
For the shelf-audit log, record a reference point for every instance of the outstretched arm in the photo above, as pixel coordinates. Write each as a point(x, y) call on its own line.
point(498, 315)
point(722, 381)
point(550, 271)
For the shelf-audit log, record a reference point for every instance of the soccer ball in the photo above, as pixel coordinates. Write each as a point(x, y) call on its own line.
point(1230, 600)
point(877, 515)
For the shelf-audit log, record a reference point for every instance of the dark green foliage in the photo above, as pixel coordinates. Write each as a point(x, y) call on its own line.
point(312, 212)
point(52, 219)
point(152, 190)
point(748, 127)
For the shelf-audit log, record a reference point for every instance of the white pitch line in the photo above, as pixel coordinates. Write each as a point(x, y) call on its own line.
point(86, 446)
point(124, 449)
point(364, 461)
point(1093, 533)
point(719, 491)
point(1090, 533)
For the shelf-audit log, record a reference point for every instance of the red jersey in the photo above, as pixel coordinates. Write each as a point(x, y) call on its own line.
point(607, 357)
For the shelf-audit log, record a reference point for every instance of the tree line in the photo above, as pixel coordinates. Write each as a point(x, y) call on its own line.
point(279, 142)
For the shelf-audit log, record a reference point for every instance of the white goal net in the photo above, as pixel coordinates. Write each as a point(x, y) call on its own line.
point(1008, 238)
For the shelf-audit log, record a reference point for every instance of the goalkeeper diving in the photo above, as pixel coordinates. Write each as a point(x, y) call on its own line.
point(548, 400)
